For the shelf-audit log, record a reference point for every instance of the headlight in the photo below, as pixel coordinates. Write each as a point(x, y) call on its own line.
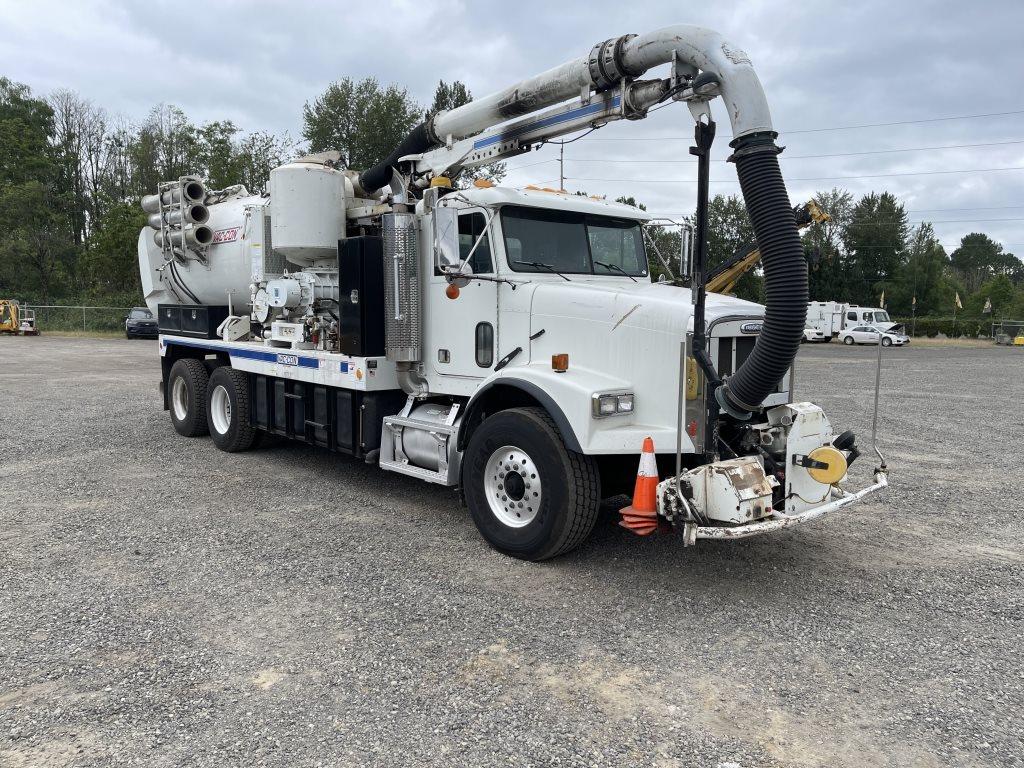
point(612, 403)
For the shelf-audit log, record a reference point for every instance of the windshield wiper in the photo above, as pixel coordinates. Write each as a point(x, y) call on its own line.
point(616, 268)
point(548, 267)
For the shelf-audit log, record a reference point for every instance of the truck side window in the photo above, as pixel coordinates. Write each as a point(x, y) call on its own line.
point(470, 227)
point(851, 316)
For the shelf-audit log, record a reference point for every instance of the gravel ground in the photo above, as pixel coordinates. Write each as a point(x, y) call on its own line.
point(164, 604)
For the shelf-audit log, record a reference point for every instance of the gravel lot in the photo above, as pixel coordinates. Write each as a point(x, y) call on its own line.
point(164, 604)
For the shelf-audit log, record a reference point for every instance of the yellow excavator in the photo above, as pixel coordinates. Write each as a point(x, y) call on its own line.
point(724, 277)
point(16, 320)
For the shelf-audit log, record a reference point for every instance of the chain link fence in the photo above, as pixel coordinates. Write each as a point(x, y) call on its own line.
point(59, 317)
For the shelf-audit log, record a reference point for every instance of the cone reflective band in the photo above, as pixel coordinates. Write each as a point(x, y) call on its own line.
point(641, 516)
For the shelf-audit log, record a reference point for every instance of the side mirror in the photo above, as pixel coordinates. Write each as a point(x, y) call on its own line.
point(446, 238)
point(686, 253)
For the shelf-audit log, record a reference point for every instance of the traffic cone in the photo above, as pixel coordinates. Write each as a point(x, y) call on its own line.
point(641, 517)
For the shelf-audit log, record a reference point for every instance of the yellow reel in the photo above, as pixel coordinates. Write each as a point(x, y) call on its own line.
point(835, 460)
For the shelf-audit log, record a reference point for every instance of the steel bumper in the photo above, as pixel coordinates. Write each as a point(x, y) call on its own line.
point(692, 531)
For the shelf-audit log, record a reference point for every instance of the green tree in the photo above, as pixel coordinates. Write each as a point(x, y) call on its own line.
point(823, 245)
point(34, 243)
point(980, 258)
point(729, 230)
point(448, 97)
point(26, 126)
point(361, 120)
point(259, 153)
point(216, 156)
point(875, 239)
point(998, 292)
point(110, 265)
point(924, 276)
point(455, 95)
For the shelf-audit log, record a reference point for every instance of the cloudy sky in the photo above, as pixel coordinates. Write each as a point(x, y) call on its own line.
point(825, 66)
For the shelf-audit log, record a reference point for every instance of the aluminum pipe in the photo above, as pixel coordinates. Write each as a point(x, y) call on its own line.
point(192, 214)
point(193, 191)
point(193, 237)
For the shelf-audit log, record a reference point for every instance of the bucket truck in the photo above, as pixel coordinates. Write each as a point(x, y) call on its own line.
point(507, 342)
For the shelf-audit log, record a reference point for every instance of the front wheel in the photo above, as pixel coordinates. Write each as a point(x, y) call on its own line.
point(227, 410)
point(529, 496)
point(886, 342)
point(848, 340)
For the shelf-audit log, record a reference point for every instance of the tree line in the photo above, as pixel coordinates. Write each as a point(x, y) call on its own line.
point(72, 174)
point(867, 253)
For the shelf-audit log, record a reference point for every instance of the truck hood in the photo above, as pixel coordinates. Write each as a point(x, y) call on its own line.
point(657, 307)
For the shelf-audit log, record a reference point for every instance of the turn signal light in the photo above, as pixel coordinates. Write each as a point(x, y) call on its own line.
point(560, 363)
point(452, 291)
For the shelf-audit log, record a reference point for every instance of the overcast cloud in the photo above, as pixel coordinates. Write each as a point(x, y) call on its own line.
point(822, 65)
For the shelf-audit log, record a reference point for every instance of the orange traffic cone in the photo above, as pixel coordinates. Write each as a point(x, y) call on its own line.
point(641, 517)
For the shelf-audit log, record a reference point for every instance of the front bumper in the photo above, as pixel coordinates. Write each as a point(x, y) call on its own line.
point(692, 531)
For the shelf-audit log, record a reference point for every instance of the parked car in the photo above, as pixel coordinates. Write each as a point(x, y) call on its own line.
point(140, 323)
point(815, 334)
point(866, 334)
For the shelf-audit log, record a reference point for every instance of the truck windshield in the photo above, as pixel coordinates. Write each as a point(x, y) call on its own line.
point(881, 317)
point(572, 243)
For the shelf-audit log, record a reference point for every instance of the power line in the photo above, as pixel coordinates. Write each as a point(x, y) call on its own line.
point(795, 157)
point(944, 210)
point(804, 178)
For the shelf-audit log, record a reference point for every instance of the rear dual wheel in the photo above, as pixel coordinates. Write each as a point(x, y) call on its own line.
point(227, 410)
point(211, 403)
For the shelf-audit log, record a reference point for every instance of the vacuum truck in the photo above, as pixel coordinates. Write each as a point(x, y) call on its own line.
point(509, 343)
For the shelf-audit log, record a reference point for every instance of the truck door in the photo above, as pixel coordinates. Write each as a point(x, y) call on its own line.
point(462, 333)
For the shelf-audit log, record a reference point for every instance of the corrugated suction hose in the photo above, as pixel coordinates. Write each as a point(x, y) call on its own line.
point(785, 276)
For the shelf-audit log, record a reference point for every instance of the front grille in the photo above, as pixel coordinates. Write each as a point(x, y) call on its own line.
point(733, 351)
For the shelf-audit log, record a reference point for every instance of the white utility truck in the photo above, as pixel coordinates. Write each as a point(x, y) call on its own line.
point(831, 317)
point(507, 342)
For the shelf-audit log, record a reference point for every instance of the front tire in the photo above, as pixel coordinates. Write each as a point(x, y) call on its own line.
point(848, 341)
point(529, 496)
point(886, 342)
point(186, 386)
point(227, 410)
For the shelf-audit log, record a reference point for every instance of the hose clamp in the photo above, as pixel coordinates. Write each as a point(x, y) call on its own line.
point(762, 142)
point(756, 149)
point(728, 402)
point(605, 63)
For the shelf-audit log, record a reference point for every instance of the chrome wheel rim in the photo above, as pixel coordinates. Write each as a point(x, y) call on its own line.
point(220, 409)
point(513, 487)
point(179, 399)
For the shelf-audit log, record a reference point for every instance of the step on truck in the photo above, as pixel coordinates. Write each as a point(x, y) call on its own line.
point(508, 342)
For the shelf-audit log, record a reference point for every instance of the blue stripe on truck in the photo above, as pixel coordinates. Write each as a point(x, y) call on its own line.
point(282, 358)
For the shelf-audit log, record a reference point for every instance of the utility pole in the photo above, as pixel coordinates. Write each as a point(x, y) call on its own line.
point(561, 166)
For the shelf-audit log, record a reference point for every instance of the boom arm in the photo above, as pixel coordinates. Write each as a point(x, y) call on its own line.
point(602, 86)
